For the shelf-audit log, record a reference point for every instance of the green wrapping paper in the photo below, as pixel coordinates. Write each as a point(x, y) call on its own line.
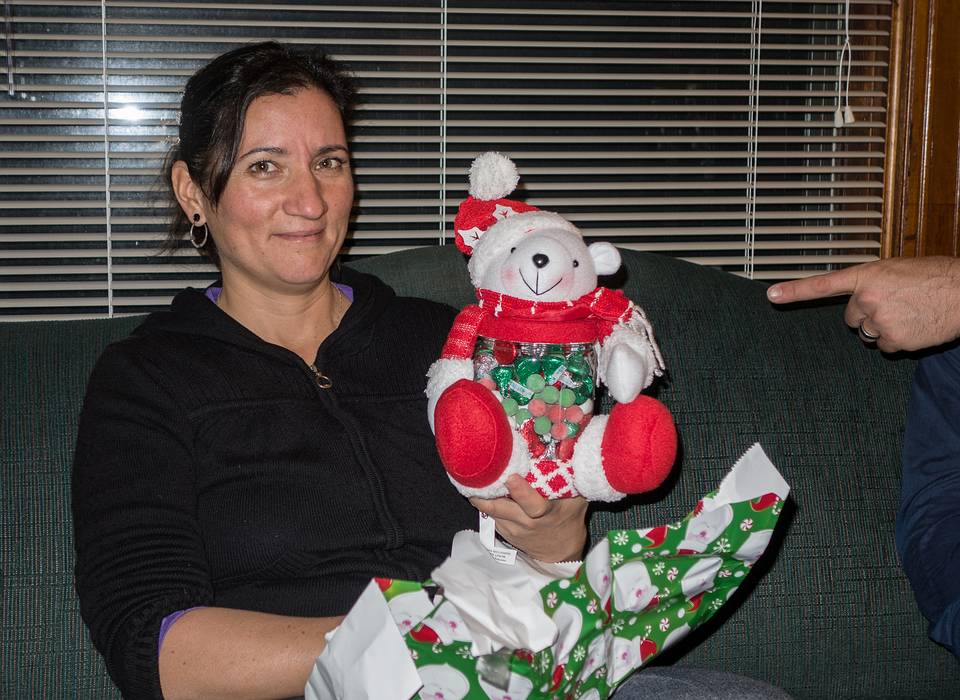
point(636, 593)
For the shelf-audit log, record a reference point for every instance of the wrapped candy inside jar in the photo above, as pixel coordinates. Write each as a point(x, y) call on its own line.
point(546, 389)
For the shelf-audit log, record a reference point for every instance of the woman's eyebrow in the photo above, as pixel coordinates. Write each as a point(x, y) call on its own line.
point(274, 150)
point(279, 151)
point(323, 150)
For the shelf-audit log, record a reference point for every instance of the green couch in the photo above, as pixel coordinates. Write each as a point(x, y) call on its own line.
point(827, 615)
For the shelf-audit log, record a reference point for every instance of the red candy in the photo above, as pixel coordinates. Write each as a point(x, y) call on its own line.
point(488, 383)
point(504, 353)
point(555, 413)
point(558, 431)
point(534, 444)
point(565, 449)
point(574, 414)
point(537, 407)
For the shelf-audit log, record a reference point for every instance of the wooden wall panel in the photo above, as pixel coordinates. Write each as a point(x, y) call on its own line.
point(922, 179)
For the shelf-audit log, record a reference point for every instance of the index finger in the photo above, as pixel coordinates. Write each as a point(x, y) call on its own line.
point(502, 508)
point(831, 284)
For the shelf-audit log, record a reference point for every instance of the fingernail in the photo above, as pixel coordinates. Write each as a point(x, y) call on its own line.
point(774, 292)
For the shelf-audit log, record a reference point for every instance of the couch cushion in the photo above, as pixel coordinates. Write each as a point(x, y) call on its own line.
point(45, 650)
point(834, 616)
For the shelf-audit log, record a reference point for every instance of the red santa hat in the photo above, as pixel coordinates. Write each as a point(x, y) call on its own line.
point(492, 177)
point(487, 215)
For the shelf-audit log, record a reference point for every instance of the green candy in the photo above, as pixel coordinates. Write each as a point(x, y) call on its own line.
point(536, 382)
point(568, 397)
point(550, 364)
point(519, 393)
point(585, 390)
point(572, 428)
point(509, 406)
point(577, 364)
point(521, 416)
point(550, 394)
point(542, 425)
point(527, 367)
point(502, 376)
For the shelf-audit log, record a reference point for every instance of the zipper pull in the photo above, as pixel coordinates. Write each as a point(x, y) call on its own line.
point(322, 380)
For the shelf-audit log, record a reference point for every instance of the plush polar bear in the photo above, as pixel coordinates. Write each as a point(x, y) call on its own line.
point(512, 392)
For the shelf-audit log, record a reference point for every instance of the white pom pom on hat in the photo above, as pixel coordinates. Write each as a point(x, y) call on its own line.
point(493, 176)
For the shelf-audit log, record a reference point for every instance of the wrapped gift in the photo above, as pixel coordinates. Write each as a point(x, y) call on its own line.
point(484, 629)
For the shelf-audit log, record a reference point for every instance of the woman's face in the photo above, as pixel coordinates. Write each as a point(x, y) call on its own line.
point(284, 212)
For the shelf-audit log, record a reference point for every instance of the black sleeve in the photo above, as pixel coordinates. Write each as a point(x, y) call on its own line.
point(139, 554)
point(929, 520)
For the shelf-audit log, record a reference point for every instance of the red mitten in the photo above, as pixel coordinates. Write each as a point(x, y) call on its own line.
point(639, 445)
point(473, 434)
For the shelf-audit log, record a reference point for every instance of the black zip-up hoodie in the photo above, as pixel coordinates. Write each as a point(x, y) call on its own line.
point(212, 469)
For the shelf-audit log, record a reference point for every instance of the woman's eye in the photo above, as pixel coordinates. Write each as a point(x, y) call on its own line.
point(262, 167)
point(331, 163)
point(576, 263)
point(512, 249)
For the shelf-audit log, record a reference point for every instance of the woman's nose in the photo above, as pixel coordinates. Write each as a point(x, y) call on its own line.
point(306, 197)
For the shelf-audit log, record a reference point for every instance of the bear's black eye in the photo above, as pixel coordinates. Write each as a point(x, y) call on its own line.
point(513, 249)
point(576, 263)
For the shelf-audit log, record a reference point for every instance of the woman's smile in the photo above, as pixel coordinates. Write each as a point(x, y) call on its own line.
point(300, 236)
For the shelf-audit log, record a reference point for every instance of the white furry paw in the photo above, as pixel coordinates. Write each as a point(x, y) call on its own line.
point(626, 369)
point(441, 375)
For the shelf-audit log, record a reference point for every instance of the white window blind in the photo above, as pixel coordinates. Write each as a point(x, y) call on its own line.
point(700, 129)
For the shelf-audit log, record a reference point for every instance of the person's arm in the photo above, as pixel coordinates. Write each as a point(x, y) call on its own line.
point(909, 303)
point(547, 530)
point(928, 524)
point(215, 653)
point(141, 557)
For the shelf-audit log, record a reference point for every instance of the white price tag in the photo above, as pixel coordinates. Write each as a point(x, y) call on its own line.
point(488, 538)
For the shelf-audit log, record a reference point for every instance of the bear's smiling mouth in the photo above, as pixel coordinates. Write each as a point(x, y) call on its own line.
point(534, 291)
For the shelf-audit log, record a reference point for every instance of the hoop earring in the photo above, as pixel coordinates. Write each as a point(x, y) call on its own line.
point(193, 237)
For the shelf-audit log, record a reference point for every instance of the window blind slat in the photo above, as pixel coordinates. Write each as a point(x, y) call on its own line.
point(652, 125)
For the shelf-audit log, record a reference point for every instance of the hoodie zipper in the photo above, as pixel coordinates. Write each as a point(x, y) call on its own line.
point(322, 380)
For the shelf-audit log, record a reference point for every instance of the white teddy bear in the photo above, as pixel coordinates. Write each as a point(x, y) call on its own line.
point(513, 390)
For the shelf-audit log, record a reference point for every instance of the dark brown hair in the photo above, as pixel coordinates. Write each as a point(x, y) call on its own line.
point(214, 106)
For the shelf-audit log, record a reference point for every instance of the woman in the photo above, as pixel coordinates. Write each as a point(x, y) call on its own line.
point(249, 459)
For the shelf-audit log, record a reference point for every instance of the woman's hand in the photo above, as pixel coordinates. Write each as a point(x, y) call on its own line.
point(549, 531)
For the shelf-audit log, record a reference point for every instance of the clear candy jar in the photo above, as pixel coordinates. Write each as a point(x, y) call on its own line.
point(546, 389)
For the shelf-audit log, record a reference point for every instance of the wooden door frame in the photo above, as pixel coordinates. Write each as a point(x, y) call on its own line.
point(921, 213)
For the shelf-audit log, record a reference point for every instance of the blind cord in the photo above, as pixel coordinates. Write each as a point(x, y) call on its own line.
point(754, 132)
point(8, 36)
point(106, 159)
point(443, 122)
point(844, 114)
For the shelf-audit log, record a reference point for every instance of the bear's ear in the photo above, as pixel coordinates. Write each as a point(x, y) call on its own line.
point(606, 258)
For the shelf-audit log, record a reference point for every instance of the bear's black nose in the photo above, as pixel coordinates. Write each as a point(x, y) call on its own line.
point(541, 260)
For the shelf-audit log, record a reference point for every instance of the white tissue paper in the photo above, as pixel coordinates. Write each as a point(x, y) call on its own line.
point(367, 647)
point(499, 603)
